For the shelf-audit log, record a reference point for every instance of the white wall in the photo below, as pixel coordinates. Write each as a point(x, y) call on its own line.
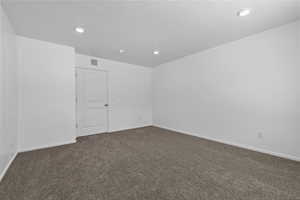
point(235, 91)
point(46, 93)
point(130, 93)
point(8, 93)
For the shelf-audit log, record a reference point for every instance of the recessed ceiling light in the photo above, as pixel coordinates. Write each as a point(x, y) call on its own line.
point(122, 51)
point(244, 12)
point(79, 29)
point(156, 52)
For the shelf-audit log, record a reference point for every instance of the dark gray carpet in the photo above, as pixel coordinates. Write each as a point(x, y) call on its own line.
point(149, 163)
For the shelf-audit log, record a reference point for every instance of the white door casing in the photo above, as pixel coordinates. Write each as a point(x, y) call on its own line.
point(91, 101)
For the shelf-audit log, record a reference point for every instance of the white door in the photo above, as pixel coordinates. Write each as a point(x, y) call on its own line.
point(92, 102)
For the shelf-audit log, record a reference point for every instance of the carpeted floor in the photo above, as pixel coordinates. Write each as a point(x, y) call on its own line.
point(149, 164)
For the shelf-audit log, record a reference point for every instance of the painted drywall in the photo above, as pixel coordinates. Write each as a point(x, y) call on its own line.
point(8, 93)
point(46, 94)
point(130, 92)
point(245, 92)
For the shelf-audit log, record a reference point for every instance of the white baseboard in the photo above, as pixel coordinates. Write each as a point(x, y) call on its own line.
point(244, 146)
point(47, 146)
point(8, 165)
point(129, 128)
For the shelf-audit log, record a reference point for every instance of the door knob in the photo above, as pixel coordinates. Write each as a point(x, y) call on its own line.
point(106, 105)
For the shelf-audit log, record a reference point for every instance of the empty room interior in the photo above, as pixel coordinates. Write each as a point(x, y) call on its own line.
point(150, 100)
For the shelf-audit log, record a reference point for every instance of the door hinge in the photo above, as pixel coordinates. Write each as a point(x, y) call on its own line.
point(76, 100)
point(76, 125)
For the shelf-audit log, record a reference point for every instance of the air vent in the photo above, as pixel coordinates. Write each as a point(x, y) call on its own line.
point(94, 62)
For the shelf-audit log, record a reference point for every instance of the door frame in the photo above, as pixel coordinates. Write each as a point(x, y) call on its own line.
point(107, 96)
